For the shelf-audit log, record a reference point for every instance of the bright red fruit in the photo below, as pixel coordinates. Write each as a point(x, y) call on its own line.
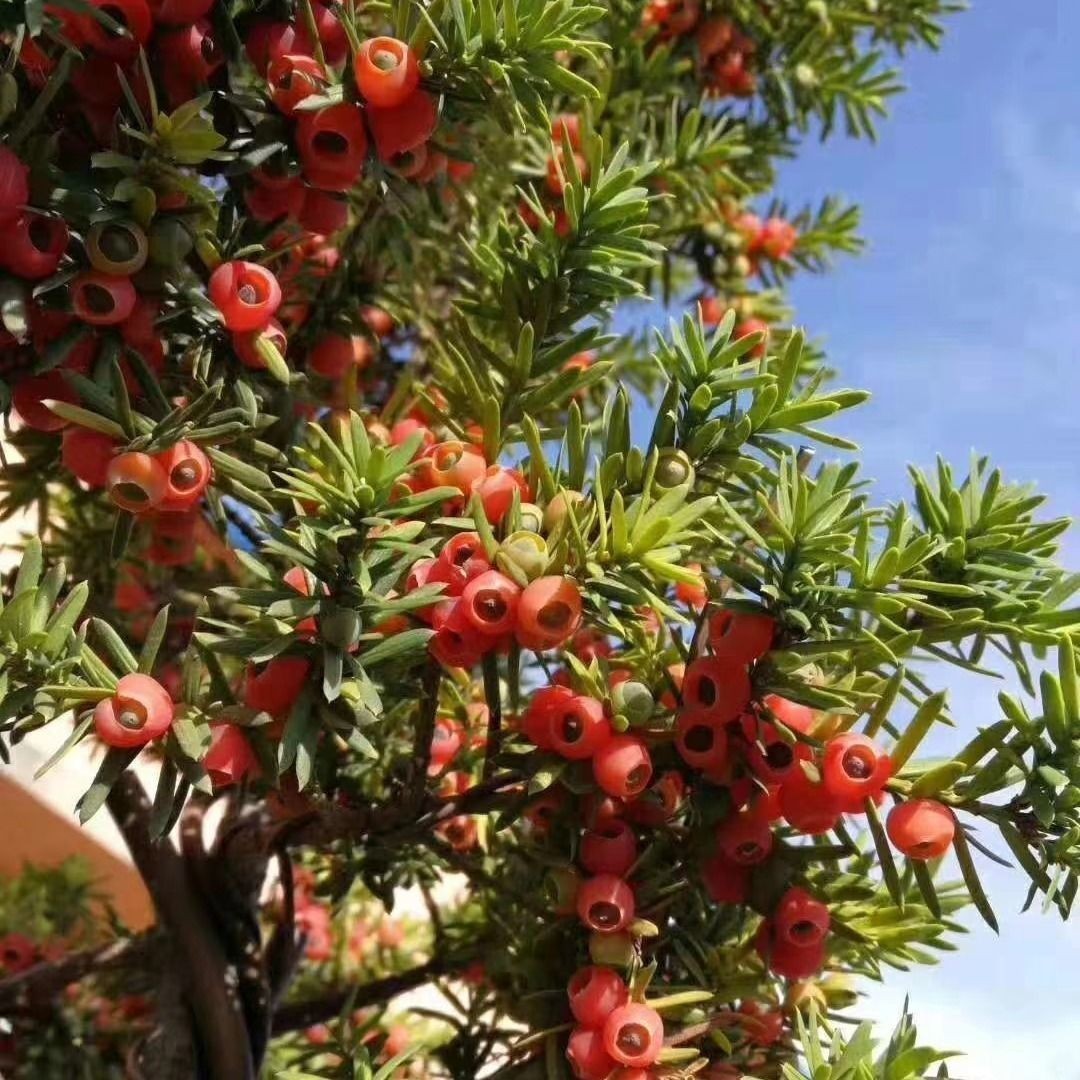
point(605, 903)
point(333, 145)
point(139, 711)
point(136, 482)
point(745, 838)
point(578, 728)
point(741, 636)
point(609, 848)
point(717, 689)
point(14, 185)
point(86, 454)
point(921, 829)
point(634, 1034)
point(246, 294)
point(230, 758)
point(854, 769)
point(799, 919)
point(622, 766)
point(275, 689)
point(490, 602)
point(586, 1054)
point(403, 127)
point(595, 992)
point(387, 71)
point(808, 806)
point(102, 299)
point(187, 470)
point(701, 739)
point(549, 612)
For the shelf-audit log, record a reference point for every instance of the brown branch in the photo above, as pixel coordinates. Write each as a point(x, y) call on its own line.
point(221, 1033)
point(43, 981)
point(303, 1014)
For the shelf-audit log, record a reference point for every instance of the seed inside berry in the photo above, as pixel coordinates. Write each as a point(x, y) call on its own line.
point(632, 1038)
point(554, 616)
point(604, 914)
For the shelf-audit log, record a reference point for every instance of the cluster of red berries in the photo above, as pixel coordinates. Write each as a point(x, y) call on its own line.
point(612, 1032)
point(483, 609)
point(724, 53)
point(578, 728)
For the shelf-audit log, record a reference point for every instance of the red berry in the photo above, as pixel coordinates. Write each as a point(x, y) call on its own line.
point(86, 455)
point(609, 848)
point(133, 15)
point(568, 124)
point(786, 960)
point(31, 392)
point(245, 344)
point(457, 642)
point(741, 636)
point(799, 919)
point(725, 881)
point(136, 482)
point(622, 766)
point(187, 470)
point(323, 212)
point(34, 246)
point(717, 689)
point(545, 703)
point(230, 758)
point(14, 185)
point(634, 1034)
point(753, 326)
point(496, 487)
point(333, 146)
point(605, 903)
point(490, 602)
point(587, 1056)
point(853, 770)
point(403, 127)
point(334, 354)
point(549, 612)
point(452, 464)
point(139, 711)
point(921, 829)
point(745, 838)
point(292, 78)
point(701, 740)
point(102, 299)
point(386, 71)
point(275, 689)
point(807, 806)
point(179, 12)
point(595, 992)
point(579, 728)
point(246, 294)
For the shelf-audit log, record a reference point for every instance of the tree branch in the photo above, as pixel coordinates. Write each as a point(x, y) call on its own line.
point(221, 1032)
point(303, 1014)
point(43, 981)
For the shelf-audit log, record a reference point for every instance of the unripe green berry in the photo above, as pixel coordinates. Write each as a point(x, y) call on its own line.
point(525, 550)
point(673, 469)
point(532, 517)
point(633, 700)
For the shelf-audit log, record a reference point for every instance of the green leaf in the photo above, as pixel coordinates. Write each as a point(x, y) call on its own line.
point(971, 879)
point(112, 767)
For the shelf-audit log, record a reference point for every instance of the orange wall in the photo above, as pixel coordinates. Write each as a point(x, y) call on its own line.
point(35, 833)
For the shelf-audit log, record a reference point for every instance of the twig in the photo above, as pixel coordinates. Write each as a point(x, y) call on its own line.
point(302, 1014)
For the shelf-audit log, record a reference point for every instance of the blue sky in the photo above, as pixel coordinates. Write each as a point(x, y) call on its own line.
point(963, 319)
